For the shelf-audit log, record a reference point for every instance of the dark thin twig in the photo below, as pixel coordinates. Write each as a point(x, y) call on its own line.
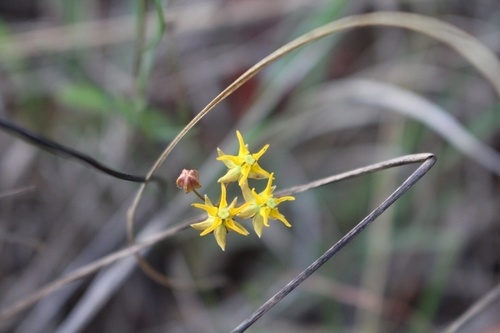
point(475, 309)
point(198, 195)
point(58, 149)
point(419, 173)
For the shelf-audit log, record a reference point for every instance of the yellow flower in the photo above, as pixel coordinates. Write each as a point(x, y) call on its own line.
point(262, 206)
point(242, 166)
point(220, 219)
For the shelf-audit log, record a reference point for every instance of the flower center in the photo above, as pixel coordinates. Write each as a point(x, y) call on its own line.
point(223, 213)
point(271, 203)
point(249, 159)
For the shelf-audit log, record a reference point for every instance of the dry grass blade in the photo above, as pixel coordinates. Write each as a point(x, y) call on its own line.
point(390, 97)
point(398, 161)
point(475, 309)
point(469, 47)
point(428, 160)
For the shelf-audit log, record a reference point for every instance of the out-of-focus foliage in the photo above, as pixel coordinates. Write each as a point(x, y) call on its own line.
point(106, 78)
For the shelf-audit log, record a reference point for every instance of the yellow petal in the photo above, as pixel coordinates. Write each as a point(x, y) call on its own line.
point(208, 202)
point(203, 225)
point(232, 205)
point(248, 210)
point(264, 212)
point(243, 148)
point(247, 194)
point(258, 224)
point(259, 199)
point(258, 172)
point(232, 175)
point(236, 227)
point(281, 199)
point(256, 156)
point(227, 161)
point(217, 222)
point(223, 202)
point(220, 236)
point(235, 160)
point(211, 210)
point(268, 191)
point(245, 169)
point(275, 214)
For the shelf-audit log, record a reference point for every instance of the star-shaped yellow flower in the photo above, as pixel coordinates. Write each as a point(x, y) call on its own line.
point(220, 219)
point(242, 166)
point(262, 206)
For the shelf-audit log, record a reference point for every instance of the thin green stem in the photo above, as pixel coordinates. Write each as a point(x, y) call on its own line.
point(199, 195)
point(140, 31)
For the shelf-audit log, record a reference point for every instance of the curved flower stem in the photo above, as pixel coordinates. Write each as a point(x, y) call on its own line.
point(429, 161)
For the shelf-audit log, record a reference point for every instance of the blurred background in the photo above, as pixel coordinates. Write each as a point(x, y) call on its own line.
point(103, 77)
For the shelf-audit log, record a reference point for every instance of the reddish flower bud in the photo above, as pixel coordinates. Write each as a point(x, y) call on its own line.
point(188, 180)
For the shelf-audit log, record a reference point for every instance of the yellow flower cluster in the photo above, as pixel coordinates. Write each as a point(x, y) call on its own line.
point(260, 207)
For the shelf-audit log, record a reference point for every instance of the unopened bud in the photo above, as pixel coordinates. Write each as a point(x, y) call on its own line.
point(188, 180)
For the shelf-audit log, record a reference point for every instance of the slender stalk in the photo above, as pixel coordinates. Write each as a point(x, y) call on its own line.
point(140, 36)
point(199, 195)
point(378, 240)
